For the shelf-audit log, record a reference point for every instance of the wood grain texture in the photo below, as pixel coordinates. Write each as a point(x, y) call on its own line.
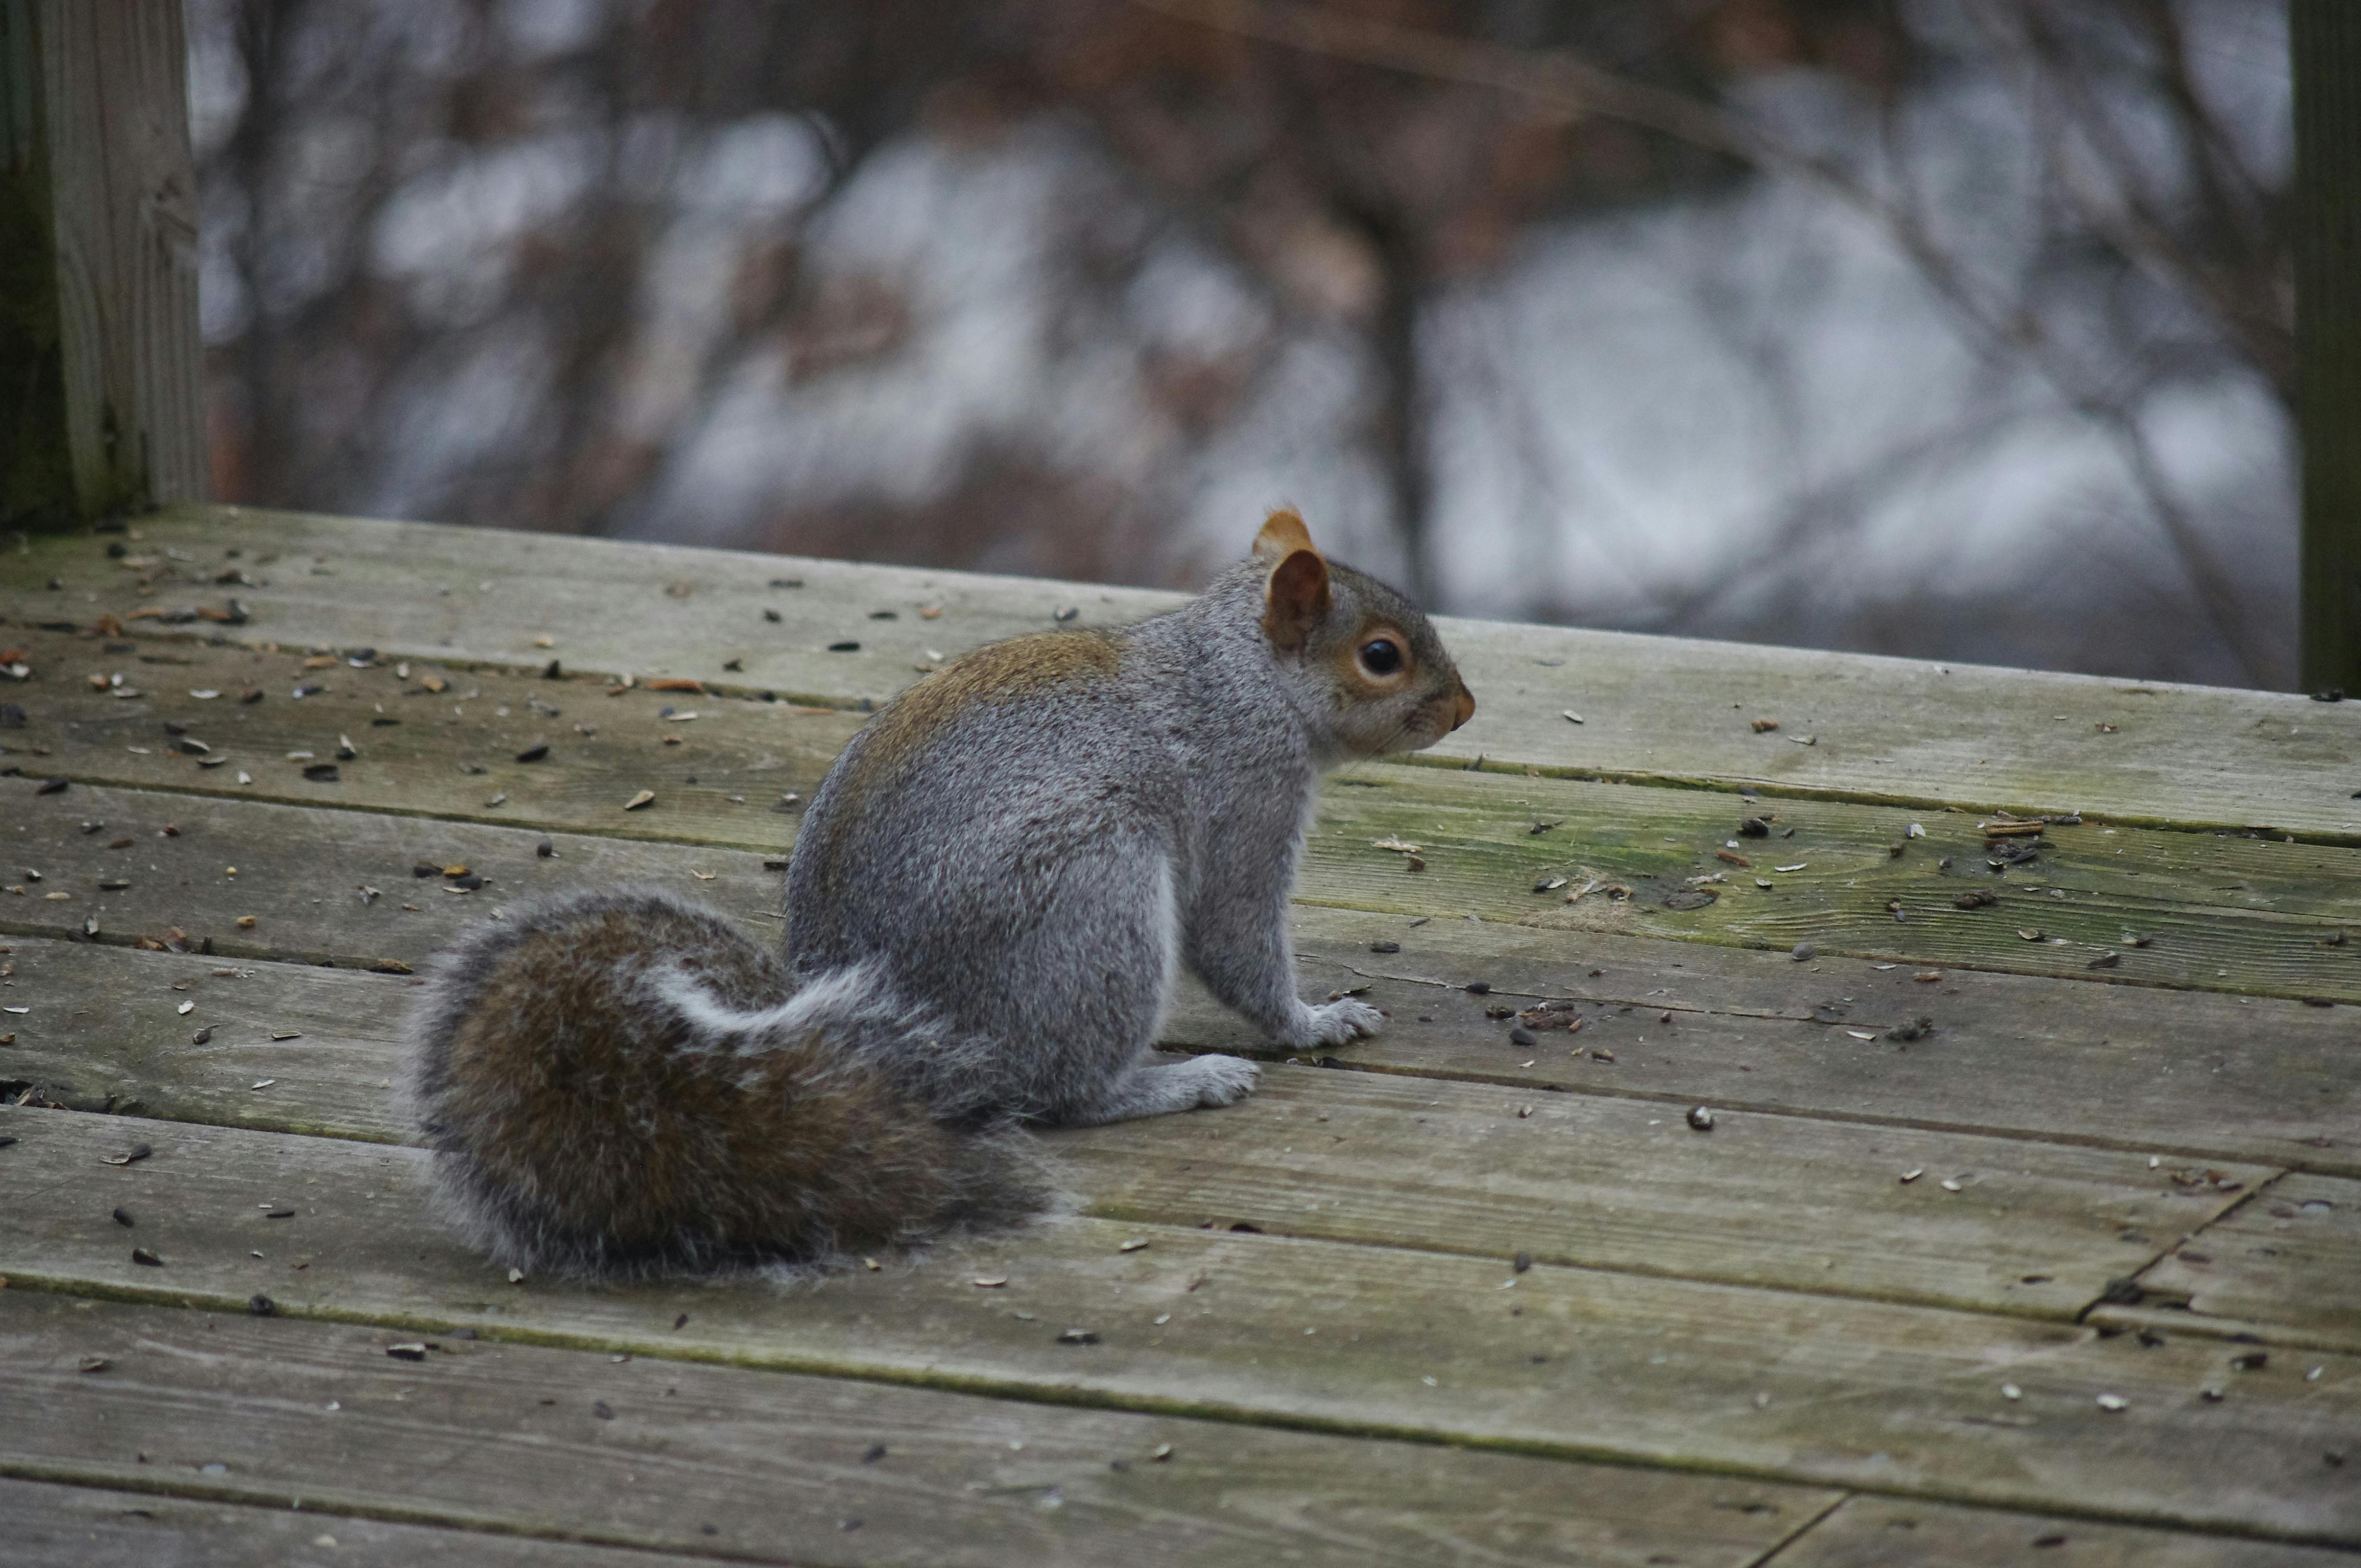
point(2187, 1077)
point(2183, 909)
point(428, 738)
point(1682, 1024)
point(2290, 1257)
point(321, 885)
point(2027, 1227)
point(1769, 1384)
point(2204, 911)
point(2021, 1227)
point(1654, 708)
point(1881, 1533)
point(49, 1526)
point(122, 189)
point(782, 1468)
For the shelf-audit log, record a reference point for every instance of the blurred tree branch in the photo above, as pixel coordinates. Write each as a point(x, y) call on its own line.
point(2243, 291)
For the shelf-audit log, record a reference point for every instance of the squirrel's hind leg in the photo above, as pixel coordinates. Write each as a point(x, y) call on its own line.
point(1084, 1053)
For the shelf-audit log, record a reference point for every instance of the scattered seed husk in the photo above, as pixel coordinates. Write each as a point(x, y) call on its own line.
point(137, 1153)
point(1976, 898)
point(645, 797)
point(145, 1258)
point(1701, 1118)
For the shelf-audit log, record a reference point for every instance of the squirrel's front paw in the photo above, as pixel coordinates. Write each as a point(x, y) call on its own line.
point(1220, 1080)
point(1336, 1022)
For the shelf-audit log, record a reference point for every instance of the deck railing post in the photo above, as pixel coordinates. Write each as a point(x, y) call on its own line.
point(2325, 37)
point(101, 389)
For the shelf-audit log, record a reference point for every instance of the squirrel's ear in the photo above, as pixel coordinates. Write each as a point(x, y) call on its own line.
point(1282, 534)
point(1295, 597)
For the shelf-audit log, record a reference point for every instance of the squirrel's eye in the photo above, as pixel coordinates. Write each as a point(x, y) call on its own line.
point(1382, 657)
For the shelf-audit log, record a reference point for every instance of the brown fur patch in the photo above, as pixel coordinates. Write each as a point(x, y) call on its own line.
point(606, 1137)
point(998, 672)
point(1282, 535)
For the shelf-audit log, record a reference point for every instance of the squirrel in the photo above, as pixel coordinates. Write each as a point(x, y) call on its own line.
point(987, 903)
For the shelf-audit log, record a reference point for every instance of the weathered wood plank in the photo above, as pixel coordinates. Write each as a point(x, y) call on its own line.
point(2196, 910)
point(1654, 708)
point(321, 885)
point(1882, 1532)
point(103, 1031)
point(49, 1526)
point(2027, 1227)
point(777, 1466)
point(2214, 912)
point(2185, 1076)
point(2205, 1076)
point(1772, 1383)
point(429, 739)
point(2289, 1257)
point(105, 409)
point(1791, 1202)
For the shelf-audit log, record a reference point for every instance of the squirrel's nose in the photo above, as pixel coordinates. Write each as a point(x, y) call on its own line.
point(1463, 707)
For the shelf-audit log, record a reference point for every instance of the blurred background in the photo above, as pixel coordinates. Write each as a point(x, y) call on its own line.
point(1953, 328)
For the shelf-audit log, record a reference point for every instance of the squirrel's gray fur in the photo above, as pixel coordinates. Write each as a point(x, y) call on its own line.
point(988, 901)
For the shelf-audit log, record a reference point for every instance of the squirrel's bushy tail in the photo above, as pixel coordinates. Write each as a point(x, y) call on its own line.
point(621, 1082)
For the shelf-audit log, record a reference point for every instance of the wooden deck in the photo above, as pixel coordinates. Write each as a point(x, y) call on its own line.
point(2073, 1278)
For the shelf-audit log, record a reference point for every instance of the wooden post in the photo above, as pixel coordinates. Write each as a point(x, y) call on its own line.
point(2325, 35)
point(101, 391)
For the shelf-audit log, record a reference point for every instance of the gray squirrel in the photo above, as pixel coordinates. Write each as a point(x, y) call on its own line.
point(988, 901)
